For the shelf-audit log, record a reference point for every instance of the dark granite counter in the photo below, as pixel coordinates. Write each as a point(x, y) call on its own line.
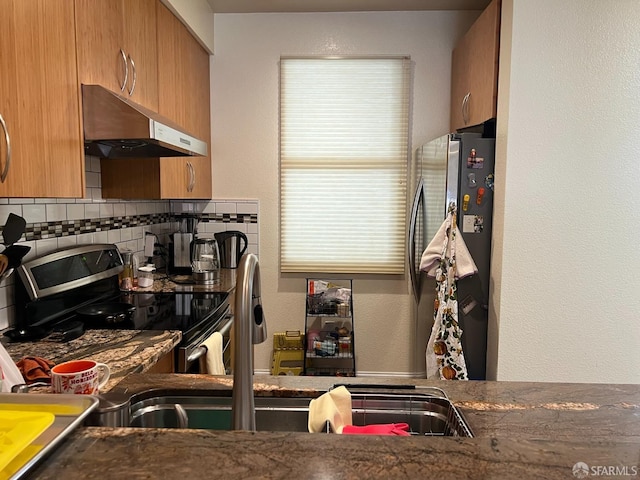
point(522, 430)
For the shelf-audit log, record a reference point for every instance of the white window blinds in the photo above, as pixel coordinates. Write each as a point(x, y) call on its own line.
point(343, 164)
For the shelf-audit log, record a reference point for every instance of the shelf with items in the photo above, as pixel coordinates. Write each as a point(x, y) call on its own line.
point(329, 332)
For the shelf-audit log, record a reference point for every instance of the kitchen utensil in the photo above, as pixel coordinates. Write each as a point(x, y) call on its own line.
point(13, 229)
point(61, 332)
point(205, 262)
point(110, 313)
point(79, 377)
point(27, 334)
point(70, 412)
point(232, 245)
point(18, 429)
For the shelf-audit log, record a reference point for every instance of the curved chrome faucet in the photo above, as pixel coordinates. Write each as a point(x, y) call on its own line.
point(249, 328)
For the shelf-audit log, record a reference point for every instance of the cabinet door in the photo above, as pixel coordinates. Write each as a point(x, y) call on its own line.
point(117, 42)
point(173, 73)
point(184, 97)
point(39, 100)
point(185, 177)
point(101, 50)
point(460, 85)
point(474, 72)
point(142, 48)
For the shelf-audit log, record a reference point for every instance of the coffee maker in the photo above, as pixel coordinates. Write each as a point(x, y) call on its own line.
point(181, 245)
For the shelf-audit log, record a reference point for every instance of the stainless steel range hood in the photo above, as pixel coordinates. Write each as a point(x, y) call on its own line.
point(116, 127)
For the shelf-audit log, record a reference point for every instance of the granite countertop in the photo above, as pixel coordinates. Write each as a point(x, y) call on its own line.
point(522, 430)
point(184, 283)
point(125, 351)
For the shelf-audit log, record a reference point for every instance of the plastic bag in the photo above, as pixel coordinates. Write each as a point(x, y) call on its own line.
point(10, 371)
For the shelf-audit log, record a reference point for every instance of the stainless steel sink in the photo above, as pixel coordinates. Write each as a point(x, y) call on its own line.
point(214, 413)
point(429, 413)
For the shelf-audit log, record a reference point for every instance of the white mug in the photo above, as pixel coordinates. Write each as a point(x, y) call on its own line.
point(79, 376)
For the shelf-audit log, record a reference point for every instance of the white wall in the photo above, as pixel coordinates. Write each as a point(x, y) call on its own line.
point(568, 184)
point(197, 15)
point(244, 97)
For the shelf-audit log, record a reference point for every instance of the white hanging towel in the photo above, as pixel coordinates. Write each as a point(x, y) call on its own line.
point(215, 363)
point(447, 259)
point(432, 255)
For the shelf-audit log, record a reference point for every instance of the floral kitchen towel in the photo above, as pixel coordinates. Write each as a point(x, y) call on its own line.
point(445, 358)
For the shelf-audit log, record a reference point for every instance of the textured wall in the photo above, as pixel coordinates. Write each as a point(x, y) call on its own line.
point(566, 288)
point(245, 150)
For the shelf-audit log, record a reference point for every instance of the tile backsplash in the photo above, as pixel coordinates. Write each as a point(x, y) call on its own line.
point(53, 223)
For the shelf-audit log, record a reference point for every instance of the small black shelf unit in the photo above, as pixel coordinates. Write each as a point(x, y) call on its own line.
point(328, 327)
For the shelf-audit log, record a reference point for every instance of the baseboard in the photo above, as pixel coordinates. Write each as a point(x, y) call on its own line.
point(369, 374)
point(361, 373)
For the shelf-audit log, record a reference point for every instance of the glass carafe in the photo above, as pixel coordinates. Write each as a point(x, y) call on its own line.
point(205, 260)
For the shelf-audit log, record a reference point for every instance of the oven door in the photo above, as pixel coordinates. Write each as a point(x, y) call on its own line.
point(191, 355)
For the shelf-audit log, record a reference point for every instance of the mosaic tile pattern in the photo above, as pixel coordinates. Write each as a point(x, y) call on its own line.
point(44, 230)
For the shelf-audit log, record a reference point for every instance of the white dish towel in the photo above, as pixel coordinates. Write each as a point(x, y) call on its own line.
point(333, 406)
point(214, 361)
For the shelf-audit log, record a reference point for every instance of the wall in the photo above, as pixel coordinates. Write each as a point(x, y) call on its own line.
point(244, 94)
point(565, 291)
point(58, 223)
point(197, 15)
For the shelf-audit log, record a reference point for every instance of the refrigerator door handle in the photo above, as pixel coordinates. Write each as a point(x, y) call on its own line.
point(411, 240)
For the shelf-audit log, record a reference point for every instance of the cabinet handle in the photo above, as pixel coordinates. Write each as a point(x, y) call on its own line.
point(135, 76)
point(192, 177)
point(191, 180)
point(464, 101)
point(5, 171)
point(126, 70)
point(465, 108)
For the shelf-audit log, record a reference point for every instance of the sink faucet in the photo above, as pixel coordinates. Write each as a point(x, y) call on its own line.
point(249, 329)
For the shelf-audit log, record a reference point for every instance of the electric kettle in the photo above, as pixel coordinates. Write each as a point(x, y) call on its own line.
point(205, 260)
point(232, 244)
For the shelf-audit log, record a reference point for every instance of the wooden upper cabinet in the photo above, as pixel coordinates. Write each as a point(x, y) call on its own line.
point(39, 100)
point(474, 71)
point(117, 47)
point(184, 97)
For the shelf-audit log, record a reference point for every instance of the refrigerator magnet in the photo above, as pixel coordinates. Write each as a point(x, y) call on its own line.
point(473, 161)
point(472, 224)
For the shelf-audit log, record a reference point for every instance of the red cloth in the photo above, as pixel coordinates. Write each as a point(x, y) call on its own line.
point(400, 429)
point(35, 369)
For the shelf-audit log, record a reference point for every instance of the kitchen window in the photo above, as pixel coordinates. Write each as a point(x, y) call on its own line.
point(344, 126)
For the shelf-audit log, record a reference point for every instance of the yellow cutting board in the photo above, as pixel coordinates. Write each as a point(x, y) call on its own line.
point(18, 429)
point(56, 409)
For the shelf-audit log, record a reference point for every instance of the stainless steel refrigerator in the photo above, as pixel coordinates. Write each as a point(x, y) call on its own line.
point(455, 168)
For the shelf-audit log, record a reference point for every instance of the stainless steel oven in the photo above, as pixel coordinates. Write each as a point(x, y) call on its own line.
point(50, 289)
